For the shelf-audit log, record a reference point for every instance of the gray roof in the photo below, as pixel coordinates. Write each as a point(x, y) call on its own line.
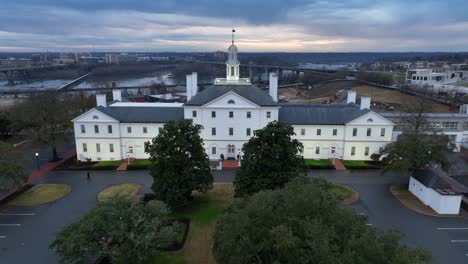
point(143, 114)
point(249, 92)
point(309, 114)
point(430, 179)
point(427, 115)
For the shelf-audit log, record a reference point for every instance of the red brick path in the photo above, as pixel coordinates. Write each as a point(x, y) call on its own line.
point(230, 164)
point(36, 174)
point(338, 164)
point(125, 163)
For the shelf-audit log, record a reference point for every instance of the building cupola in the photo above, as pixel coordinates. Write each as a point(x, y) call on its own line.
point(232, 64)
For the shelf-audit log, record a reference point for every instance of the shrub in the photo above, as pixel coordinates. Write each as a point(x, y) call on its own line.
point(375, 157)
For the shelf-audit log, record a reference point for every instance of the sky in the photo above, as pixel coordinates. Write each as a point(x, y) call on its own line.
point(261, 25)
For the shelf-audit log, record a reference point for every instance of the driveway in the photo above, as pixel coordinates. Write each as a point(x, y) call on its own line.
point(446, 238)
point(26, 232)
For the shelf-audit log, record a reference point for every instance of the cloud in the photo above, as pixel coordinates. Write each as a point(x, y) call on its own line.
point(204, 25)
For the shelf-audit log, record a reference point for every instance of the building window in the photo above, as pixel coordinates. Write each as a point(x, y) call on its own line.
point(145, 130)
point(366, 151)
point(319, 132)
point(213, 131)
point(231, 114)
point(354, 132)
point(98, 147)
point(213, 114)
point(85, 147)
point(194, 113)
point(302, 131)
point(109, 129)
point(83, 129)
point(248, 132)
point(231, 131)
point(335, 132)
point(353, 151)
point(129, 130)
point(249, 114)
point(465, 126)
point(380, 150)
point(159, 129)
point(213, 150)
point(268, 114)
point(95, 117)
point(369, 132)
point(111, 147)
point(96, 129)
point(231, 101)
point(382, 132)
point(317, 150)
point(232, 71)
point(451, 126)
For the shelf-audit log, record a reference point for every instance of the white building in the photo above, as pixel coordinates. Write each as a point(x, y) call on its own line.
point(430, 77)
point(230, 111)
point(434, 192)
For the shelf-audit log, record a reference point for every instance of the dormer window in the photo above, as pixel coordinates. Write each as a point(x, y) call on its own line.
point(95, 117)
point(231, 102)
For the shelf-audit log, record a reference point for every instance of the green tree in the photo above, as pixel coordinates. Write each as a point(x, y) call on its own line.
point(46, 116)
point(420, 143)
point(384, 78)
point(12, 174)
point(271, 158)
point(5, 125)
point(118, 230)
point(179, 162)
point(303, 223)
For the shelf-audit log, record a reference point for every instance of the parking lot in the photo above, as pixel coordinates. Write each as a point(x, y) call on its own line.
point(26, 232)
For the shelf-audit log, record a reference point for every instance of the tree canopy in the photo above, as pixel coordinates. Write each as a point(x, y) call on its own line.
point(270, 159)
point(420, 143)
point(179, 162)
point(302, 223)
point(12, 174)
point(118, 230)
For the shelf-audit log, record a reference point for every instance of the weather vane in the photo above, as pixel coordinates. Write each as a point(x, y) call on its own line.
point(233, 31)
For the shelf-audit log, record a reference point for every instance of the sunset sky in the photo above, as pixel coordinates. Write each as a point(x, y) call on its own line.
point(205, 25)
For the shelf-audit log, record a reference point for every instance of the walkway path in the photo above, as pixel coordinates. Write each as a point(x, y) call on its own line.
point(37, 173)
point(124, 165)
point(338, 164)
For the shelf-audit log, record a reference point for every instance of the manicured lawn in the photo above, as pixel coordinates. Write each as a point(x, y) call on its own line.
point(358, 164)
point(344, 193)
point(139, 165)
point(203, 212)
point(109, 165)
point(41, 194)
point(126, 190)
point(322, 163)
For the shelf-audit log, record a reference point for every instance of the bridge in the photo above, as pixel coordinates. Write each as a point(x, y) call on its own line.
point(74, 82)
point(10, 72)
point(271, 67)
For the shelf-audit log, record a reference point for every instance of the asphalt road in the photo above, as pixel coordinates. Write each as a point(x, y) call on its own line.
point(25, 232)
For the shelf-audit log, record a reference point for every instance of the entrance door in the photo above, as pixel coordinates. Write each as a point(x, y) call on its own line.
point(231, 151)
point(333, 152)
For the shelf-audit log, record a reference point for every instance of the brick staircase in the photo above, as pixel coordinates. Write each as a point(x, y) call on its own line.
point(124, 164)
point(230, 164)
point(338, 164)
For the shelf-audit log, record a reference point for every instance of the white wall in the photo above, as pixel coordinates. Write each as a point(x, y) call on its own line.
point(442, 204)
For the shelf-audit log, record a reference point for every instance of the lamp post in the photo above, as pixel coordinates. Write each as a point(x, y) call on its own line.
point(37, 160)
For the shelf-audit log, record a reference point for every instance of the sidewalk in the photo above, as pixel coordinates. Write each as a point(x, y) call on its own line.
point(37, 173)
point(338, 164)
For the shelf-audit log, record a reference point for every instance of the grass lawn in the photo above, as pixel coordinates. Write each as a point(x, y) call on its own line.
point(41, 194)
point(139, 165)
point(358, 164)
point(322, 163)
point(126, 190)
point(203, 212)
point(346, 194)
point(111, 164)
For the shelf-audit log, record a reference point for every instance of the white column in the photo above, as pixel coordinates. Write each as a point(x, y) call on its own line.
point(273, 87)
point(194, 83)
point(189, 87)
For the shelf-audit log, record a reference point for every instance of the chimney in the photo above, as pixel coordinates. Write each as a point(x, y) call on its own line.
point(101, 100)
point(365, 102)
point(194, 83)
point(464, 109)
point(351, 97)
point(117, 95)
point(273, 88)
point(189, 87)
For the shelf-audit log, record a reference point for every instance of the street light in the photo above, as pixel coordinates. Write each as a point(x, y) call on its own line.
point(37, 160)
